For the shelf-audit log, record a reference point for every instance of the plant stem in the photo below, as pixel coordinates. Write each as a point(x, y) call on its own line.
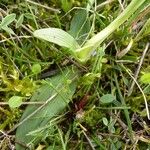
point(85, 52)
point(126, 112)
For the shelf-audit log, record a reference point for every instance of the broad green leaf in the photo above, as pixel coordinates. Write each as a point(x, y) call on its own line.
point(57, 36)
point(20, 21)
point(145, 78)
point(15, 101)
point(7, 20)
point(36, 68)
point(80, 25)
point(107, 98)
point(63, 86)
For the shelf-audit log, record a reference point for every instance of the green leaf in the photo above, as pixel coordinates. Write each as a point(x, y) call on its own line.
point(7, 20)
point(145, 78)
point(36, 68)
point(8, 30)
point(20, 21)
point(29, 16)
point(107, 98)
point(63, 86)
point(15, 101)
point(57, 36)
point(146, 90)
point(66, 5)
point(105, 121)
point(92, 44)
point(80, 25)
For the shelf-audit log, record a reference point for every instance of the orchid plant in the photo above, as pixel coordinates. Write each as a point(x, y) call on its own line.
point(36, 117)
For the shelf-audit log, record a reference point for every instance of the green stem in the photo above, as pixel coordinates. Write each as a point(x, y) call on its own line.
point(85, 52)
point(126, 112)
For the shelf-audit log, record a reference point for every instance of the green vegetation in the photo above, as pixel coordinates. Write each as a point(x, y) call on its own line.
point(74, 74)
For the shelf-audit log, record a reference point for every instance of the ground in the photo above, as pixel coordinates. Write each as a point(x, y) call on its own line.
point(62, 101)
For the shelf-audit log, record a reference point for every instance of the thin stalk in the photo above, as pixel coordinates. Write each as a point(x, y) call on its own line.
point(46, 7)
point(119, 107)
point(126, 112)
point(84, 53)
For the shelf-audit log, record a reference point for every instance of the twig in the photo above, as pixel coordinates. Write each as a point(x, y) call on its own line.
point(138, 70)
point(49, 8)
point(103, 4)
point(8, 137)
point(122, 7)
point(119, 107)
point(32, 114)
point(110, 135)
point(89, 141)
point(23, 103)
point(145, 100)
point(13, 38)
